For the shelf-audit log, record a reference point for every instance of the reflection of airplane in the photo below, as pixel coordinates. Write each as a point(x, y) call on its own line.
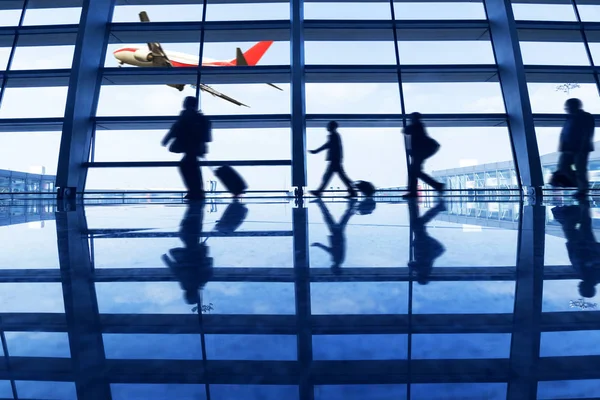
point(155, 56)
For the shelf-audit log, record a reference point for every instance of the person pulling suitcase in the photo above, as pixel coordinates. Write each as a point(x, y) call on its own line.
point(190, 134)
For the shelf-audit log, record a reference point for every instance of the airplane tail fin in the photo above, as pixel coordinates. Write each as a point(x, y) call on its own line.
point(253, 55)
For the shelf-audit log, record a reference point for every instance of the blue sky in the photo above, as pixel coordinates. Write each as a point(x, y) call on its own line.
point(376, 154)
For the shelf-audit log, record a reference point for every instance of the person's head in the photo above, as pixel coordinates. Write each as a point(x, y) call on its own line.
point(332, 126)
point(192, 297)
point(587, 289)
point(573, 105)
point(415, 117)
point(190, 103)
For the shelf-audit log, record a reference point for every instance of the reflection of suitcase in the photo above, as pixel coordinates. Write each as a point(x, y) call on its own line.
point(232, 181)
point(233, 216)
point(365, 187)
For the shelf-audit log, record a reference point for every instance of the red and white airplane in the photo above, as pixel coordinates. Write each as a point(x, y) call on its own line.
point(155, 56)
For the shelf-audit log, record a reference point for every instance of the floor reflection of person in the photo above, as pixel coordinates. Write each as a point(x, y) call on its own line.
point(583, 250)
point(191, 264)
point(337, 239)
point(426, 248)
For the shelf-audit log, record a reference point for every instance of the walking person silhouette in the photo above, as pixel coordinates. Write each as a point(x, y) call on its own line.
point(335, 156)
point(190, 133)
point(575, 144)
point(422, 146)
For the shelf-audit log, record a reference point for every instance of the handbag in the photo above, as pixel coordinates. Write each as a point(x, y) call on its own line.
point(430, 146)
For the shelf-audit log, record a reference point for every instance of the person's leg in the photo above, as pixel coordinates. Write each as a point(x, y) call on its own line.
point(184, 170)
point(413, 174)
point(581, 172)
point(346, 180)
point(326, 177)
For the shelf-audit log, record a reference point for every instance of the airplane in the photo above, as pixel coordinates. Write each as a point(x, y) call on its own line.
point(155, 56)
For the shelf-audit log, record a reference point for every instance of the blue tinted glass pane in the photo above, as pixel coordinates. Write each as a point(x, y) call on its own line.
point(464, 298)
point(46, 390)
point(360, 347)
point(360, 392)
point(38, 344)
point(359, 298)
point(152, 346)
point(461, 346)
point(459, 391)
point(569, 343)
point(251, 347)
point(158, 391)
point(577, 389)
point(263, 392)
point(31, 297)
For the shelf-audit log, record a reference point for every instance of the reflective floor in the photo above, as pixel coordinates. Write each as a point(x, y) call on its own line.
point(264, 299)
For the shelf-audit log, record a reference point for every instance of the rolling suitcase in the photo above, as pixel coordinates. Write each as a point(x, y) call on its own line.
point(365, 187)
point(233, 182)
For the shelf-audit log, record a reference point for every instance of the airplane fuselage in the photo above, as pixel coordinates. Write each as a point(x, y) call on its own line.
point(142, 57)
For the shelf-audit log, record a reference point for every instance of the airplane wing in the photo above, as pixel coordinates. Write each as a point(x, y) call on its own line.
point(240, 60)
point(216, 93)
point(159, 57)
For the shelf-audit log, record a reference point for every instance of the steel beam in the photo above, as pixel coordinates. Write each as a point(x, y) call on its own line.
point(82, 95)
point(298, 103)
point(525, 343)
point(81, 307)
point(505, 42)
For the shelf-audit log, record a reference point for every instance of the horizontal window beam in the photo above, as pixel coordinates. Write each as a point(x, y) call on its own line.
point(145, 164)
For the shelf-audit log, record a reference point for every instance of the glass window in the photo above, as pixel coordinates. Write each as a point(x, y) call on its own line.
point(4, 55)
point(149, 100)
point(425, 11)
point(18, 154)
point(6, 389)
point(360, 392)
point(157, 391)
point(168, 298)
point(46, 390)
point(263, 392)
point(346, 10)
point(349, 53)
point(569, 343)
point(551, 97)
point(553, 53)
point(352, 98)
point(169, 346)
point(460, 346)
point(52, 16)
point(373, 154)
point(446, 52)
point(40, 102)
point(227, 144)
point(595, 50)
point(32, 297)
point(544, 12)
point(11, 17)
point(251, 347)
point(360, 347)
point(159, 13)
point(38, 344)
point(589, 12)
point(42, 57)
point(580, 388)
point(452, 391)
point(464, 298)
point(256, 177)
point(359, 298)
point(453, 97)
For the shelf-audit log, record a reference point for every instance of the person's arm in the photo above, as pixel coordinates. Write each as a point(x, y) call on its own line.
point(320, 149)
point(171, 134)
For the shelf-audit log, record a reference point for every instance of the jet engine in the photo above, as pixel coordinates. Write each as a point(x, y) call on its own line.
point(143, 55)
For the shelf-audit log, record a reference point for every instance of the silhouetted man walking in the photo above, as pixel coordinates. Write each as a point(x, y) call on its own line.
point(575, 144)
point(335, 155)
point(337, 239)
point(190, 132)
point(422, 147)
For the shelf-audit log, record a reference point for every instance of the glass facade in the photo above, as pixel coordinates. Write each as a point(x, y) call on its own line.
point(365, 64)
